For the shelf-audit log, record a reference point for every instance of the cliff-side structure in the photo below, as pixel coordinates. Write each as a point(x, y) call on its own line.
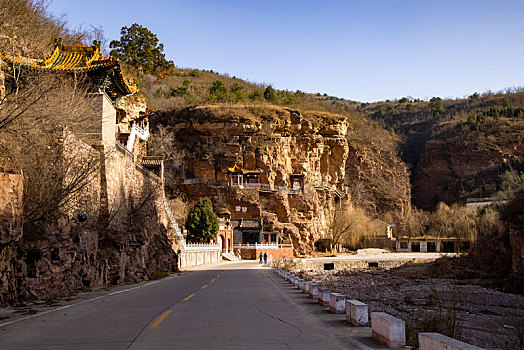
point(279, 173)
point(115, 228)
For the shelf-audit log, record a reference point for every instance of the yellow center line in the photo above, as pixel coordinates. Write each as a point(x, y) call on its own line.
point(204, 286)
point(161, 318)
point(189, 297)
point(213, 280)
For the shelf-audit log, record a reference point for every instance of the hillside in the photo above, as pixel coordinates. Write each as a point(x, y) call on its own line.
point(455, 148)
point(373, 160)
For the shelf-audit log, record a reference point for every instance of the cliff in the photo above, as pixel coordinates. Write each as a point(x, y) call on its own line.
point(284, 147)
point(114, 230)
point(459, 163)
point(377, 178)
point(455, 148)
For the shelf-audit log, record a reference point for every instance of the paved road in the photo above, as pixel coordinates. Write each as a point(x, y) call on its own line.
point(237, 305)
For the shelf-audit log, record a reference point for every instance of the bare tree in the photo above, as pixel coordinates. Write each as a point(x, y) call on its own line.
point(162, 143)
point(35, 122)
point(411, 222)
point(348, 226)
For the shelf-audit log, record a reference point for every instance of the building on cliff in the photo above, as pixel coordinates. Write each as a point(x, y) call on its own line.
point(127, 232)
point(122, 115)
point(278, 171)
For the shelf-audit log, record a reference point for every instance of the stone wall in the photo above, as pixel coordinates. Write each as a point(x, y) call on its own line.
point(188, 259)
point(125, 239)
point(254, 254)
point(11, 192)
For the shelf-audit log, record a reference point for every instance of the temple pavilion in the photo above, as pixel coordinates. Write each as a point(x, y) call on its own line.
point(104, 72)
point(237, 176)
point(124, 115)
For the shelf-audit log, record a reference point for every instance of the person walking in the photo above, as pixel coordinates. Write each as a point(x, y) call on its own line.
point(265, 258)
point(261, 257)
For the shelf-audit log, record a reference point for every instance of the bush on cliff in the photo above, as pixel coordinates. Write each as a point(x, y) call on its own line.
point(202, 222)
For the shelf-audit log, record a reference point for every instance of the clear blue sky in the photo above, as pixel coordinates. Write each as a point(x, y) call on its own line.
point(368, 50)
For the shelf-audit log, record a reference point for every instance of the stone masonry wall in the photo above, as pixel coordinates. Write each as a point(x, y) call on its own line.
point(124, 239)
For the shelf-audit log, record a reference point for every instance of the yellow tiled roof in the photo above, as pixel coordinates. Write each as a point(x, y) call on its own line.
point(238, 170)
point(67, 58)
point(235, 169)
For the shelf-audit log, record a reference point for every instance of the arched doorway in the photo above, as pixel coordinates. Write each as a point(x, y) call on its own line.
point(220, 241)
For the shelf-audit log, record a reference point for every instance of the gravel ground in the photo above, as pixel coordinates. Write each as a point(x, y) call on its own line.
point(463, 309)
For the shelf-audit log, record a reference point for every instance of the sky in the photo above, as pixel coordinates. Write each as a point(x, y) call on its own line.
point(368, 50)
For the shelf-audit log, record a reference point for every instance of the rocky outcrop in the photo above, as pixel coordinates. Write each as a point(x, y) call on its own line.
point(459, 163)
point(114, 231)
point(282, 145)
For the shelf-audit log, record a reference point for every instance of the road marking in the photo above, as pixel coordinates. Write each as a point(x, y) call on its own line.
point(82, 302)
point(189, 297)
point(161, 318)
point(204, 286)
point(213, 280)
point(359, 344)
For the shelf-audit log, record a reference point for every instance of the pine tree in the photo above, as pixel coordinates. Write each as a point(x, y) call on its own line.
point(202, 222)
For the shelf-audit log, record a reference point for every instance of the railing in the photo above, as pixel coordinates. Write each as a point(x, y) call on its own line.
point(173, 222)
point(326, 186)
point(202, 181)
point(151, 160)
point(480, 200)
point(198, 247)
point(122, 150)
point(262, 246)
point(142, 133)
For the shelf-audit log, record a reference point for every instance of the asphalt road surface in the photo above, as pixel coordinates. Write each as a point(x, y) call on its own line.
point(236, 305)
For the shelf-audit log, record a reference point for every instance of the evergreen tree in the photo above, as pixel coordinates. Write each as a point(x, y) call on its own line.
point(139, 47)
point(436, 105)
point(202, 222)
point(218, 92)
point(270, 94)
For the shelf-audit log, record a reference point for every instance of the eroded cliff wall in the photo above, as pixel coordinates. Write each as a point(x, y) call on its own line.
point(459, 163)
point(282, 145)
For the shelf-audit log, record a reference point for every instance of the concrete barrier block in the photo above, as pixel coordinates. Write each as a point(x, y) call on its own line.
point(437, 341)
point(300, 284)
point(313, 291)
point(306, 287)
point(323, 295)
point(337, 303)
point(388, 329)
point(356, 313)
point(320, 291)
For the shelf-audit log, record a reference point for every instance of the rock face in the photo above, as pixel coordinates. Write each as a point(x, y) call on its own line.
point(285, 147)
point(124, 236)
point(11, 195)
point(376, 177)
point(459, 163)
